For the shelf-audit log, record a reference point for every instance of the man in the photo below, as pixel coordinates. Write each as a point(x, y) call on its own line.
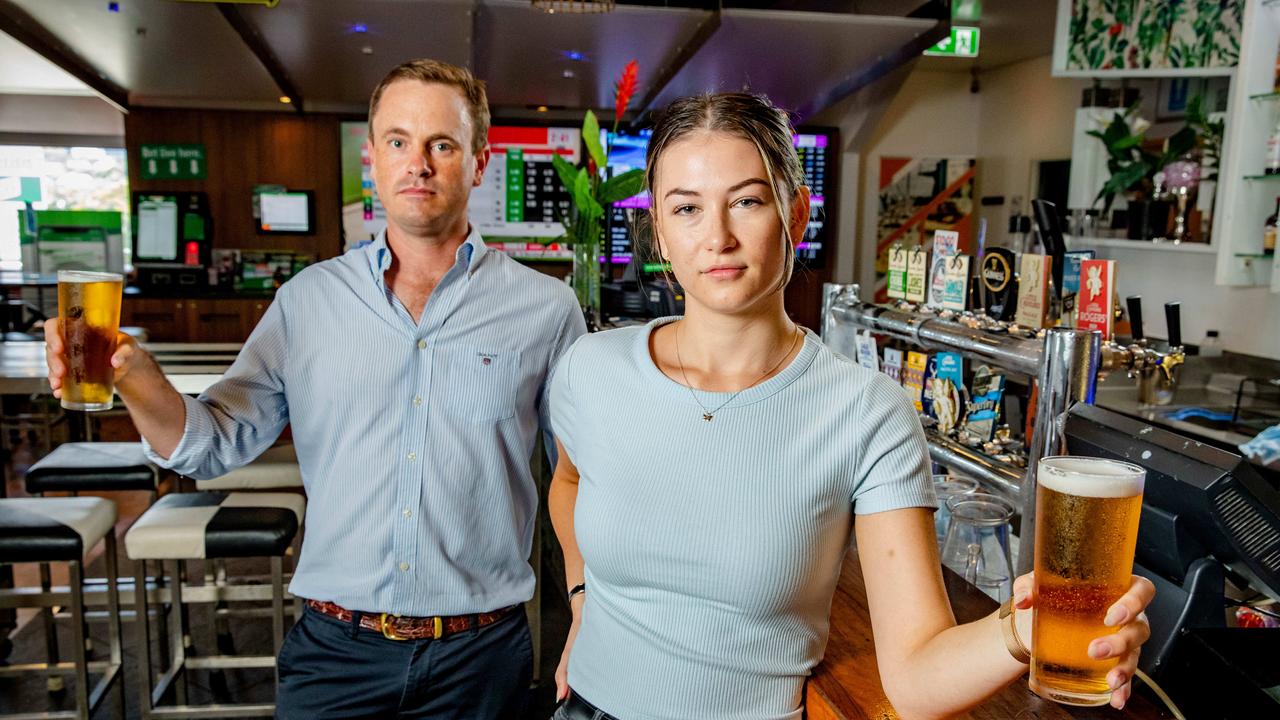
point(412, 371)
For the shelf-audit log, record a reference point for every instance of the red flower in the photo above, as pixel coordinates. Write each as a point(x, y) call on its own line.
point(625, 88)
point(1115, 30)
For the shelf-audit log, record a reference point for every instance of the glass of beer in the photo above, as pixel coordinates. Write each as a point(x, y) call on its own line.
point(1087, 513)
point(89, 314)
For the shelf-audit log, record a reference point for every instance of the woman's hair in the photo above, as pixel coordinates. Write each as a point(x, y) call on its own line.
point(750, 117)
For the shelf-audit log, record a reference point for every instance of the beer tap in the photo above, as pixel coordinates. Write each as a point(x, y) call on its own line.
point(1055, 246)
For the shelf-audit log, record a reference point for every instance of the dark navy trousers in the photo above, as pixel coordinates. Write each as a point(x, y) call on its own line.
point(331, 669)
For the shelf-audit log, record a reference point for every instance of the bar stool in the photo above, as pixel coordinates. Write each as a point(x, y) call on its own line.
point(77, 467)
point(209, 525)
point(44, 530)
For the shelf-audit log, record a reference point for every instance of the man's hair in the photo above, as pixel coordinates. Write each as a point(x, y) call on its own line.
point(433, 71)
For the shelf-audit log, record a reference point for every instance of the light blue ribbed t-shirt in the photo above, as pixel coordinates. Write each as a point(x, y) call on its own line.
point(712, 549)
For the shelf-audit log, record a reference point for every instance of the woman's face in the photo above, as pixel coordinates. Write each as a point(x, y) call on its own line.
point(717, 222)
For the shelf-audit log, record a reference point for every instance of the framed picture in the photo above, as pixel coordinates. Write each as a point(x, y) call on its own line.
point(1147, 38)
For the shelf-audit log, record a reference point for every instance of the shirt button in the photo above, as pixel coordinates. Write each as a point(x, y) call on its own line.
point(417, 399)
point(422, 344)
point(404, 567)
point(413, 456)
point(408, 512)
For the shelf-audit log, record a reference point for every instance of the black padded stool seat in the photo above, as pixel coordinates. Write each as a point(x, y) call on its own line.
point(183, 526)
point(81, 466)
point(52, 529)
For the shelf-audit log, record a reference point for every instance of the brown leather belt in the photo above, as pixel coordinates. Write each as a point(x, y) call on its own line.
point(397, 627)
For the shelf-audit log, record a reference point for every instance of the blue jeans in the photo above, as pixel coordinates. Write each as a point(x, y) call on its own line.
point(331, 669)
point(577, 708)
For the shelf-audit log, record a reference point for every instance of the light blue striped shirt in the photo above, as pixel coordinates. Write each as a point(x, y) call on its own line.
point(413, 439)
point(712, 549)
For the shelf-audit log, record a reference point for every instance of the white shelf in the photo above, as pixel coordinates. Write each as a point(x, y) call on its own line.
point(1087, 243)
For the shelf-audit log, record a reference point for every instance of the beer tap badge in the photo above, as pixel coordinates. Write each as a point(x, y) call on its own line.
point(1001, 295)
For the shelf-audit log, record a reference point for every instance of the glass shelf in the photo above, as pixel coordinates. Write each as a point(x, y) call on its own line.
point(1275, 177)
point(1266, 96)
point(1255, 256)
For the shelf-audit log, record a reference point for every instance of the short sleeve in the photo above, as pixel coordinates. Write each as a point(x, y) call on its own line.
point(560, 400)
point(893, 457)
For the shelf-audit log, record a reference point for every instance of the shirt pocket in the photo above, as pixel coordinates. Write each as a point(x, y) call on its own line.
point(484, 382)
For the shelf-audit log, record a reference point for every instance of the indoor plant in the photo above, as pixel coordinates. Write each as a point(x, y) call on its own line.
point(593, 191)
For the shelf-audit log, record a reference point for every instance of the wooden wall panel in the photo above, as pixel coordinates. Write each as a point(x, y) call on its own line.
point(244, 149)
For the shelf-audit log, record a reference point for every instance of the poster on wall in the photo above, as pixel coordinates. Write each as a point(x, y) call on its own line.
point(916, 197)
point(1146, 37)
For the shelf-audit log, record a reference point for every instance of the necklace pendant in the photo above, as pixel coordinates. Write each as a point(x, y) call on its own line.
point(706, 416)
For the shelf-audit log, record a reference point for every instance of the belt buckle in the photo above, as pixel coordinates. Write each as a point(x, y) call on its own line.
point(387, 628)
point(389, 631)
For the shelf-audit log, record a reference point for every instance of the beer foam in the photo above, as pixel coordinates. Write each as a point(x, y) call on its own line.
point(86, 276)
point(1091, 477)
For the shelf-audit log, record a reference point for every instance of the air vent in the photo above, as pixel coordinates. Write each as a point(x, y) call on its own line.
point(1252, 533)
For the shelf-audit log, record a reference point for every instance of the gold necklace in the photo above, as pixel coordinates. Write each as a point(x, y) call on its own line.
point(707, 415)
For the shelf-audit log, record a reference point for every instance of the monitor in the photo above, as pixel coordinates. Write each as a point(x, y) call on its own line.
point(289, 212)
point(1199, 500)
point(171, 227)
point(815, 146)
point(520, 202)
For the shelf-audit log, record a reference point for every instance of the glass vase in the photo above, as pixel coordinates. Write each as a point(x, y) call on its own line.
point(586, 279)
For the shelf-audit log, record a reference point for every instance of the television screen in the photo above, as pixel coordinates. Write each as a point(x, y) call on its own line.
point(521, 200)
point(815, 147)
point(292, 212)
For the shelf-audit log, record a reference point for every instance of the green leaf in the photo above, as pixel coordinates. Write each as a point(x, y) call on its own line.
point(621, 187)
point(565, 169)
point(1125, 143)
point(581, 191)
point(591, 136)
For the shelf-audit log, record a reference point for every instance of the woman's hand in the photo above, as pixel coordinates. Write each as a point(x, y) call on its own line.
point(562, 670)
point(1126, 616)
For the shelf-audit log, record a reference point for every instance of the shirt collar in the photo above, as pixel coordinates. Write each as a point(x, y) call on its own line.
point(469, 254)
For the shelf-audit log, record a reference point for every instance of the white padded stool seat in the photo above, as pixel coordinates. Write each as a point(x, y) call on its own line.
point(52, 529)
point(275, 468)
point(79, 466)
point(183, 526)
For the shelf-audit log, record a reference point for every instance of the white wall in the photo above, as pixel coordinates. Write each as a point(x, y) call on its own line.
point(1026, 117)
point(933, 115)
point(60, 115)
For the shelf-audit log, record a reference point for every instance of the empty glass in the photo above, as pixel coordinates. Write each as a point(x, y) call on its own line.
point(977, 544)
point(947, 487)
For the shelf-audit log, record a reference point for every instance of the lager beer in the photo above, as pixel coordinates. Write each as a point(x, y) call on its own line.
point(89, 312)
point(1087, 513)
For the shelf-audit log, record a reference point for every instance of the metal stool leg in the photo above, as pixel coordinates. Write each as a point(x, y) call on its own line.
point(113, 608)
point(77, 639)
point(277, 610)
point(176, 648)
point(142, 636)
point(55, 683)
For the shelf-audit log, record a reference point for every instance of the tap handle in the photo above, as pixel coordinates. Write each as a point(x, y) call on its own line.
point(1173, 317)
point(1135, 316)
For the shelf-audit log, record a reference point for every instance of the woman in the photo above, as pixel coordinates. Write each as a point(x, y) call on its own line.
point(711, 467)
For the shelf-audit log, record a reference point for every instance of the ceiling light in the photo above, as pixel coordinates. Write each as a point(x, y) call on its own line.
point(113, 7)
point(360, 28)
point(567, 74)
point(286, 99)
point(542, 108)
point(367, 50)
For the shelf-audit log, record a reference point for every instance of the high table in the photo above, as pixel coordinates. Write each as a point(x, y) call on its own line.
point(191, 367)
point(846, 686)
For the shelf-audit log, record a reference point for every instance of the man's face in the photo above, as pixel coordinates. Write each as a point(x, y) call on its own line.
point(421, 158)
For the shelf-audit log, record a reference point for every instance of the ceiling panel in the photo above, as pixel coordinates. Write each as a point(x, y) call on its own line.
point(172, 53)
point(23, 71)
point(325, 55)
point(524, 54)
point(796, 58)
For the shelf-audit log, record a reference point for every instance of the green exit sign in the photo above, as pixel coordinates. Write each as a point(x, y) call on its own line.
point(173, 162)
point(963, 42)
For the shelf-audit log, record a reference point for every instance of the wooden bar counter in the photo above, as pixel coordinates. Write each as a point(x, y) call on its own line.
point(846, 686)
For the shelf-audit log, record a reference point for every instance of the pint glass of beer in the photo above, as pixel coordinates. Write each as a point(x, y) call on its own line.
point(1086, 529)
point(89, 313)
